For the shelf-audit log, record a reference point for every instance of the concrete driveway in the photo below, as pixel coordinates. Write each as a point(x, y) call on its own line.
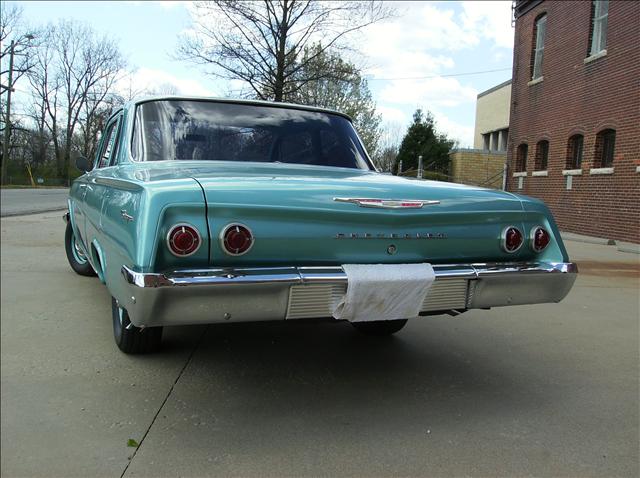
point(15, 202)
point(548, 390)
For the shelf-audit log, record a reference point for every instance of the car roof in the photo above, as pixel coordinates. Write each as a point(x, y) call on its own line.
point(272, 104)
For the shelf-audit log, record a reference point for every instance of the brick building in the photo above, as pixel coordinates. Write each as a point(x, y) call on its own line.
point(574, 132)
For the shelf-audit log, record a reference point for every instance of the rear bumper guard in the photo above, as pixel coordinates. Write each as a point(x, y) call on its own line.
point(274, 293)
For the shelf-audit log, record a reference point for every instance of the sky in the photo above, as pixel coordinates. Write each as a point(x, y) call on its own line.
point(408, 60)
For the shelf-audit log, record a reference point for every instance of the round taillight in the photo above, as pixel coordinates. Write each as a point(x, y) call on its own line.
point(236, 239)
point(183, 240)
point(511, 239)
point(540, 238)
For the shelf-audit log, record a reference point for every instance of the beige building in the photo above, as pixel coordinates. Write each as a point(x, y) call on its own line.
point(492, 118)
point(483, 165)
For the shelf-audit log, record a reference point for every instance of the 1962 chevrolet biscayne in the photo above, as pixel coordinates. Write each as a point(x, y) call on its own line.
point(199, 211)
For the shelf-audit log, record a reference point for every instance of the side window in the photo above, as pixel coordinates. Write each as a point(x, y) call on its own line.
point(542, 155)
point(521, 158)
point(109, 145)
point(605, 146)
point(574, 151)
point(599, 19)
point(539, 32)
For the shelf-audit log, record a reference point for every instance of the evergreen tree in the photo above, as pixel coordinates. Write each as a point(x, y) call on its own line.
point(423, 139)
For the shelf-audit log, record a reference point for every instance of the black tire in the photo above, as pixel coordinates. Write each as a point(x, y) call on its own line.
point(77, 260)
point(380, 328)
point(131, 339)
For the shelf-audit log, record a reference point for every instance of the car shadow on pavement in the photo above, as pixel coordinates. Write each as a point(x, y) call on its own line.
point(324, 365)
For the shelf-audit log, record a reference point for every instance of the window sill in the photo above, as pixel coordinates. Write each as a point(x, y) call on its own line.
point(595, 56)
point(601, 171)
point(521, 174)
point(540, 173)
point(535, 81)
point(572, 172)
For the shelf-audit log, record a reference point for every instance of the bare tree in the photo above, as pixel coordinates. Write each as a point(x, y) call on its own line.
point(15, 61)
point(347, 92)
point(261, 43)
point(74, 74)
point(12, 30)
point(391, 135)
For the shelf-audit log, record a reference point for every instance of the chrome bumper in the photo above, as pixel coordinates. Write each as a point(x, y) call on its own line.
point(253, 294)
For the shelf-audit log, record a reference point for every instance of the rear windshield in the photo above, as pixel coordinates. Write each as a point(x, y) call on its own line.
point(214, 131)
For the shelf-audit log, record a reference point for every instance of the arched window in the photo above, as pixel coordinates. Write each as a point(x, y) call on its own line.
point(574, 151)
point(521, 157)
point(537, 52)
point(599, 19)
point(542, 155)
point(605, 147)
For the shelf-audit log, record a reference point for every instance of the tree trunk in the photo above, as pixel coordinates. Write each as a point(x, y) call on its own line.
point(278, 87)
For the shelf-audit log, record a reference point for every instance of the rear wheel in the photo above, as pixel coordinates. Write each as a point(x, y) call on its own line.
point(77, 259)
point(129, 338)
point(380, 327)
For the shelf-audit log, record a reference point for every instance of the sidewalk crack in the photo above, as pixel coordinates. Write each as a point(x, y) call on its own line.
point(166, 398)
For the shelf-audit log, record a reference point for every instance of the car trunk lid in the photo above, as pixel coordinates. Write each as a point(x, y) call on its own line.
point(307, 215)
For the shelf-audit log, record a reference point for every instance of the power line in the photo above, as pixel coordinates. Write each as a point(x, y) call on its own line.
point(469, 73)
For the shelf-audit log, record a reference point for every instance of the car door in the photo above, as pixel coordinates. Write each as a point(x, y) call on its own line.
point(95, 192)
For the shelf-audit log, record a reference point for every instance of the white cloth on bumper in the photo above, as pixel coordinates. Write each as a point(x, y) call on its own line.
point(384, 291)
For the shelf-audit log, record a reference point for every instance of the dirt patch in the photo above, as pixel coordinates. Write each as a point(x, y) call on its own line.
point(609, 269)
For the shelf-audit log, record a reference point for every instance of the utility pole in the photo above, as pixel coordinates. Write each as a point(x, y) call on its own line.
point(7, 122)
point(420, 167)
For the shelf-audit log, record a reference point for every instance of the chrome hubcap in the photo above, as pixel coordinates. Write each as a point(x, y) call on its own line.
point(77, 253)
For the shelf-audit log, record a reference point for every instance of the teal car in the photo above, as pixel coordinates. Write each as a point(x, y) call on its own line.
point(201, 210)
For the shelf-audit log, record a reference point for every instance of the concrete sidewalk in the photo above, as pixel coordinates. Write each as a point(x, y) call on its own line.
point(548, 390)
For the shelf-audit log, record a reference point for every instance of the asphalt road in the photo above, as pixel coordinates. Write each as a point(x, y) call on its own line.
point(548, 390)
point(28, 201)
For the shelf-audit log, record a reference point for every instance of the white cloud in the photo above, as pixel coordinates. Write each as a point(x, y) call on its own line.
point(454, 130)
point(147, 79)
point(169, 4)
point(432, 92)
point(423, 37)
point(490, 20)
point(392, 115)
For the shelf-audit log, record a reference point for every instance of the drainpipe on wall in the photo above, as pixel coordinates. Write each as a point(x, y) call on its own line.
point(504, 176)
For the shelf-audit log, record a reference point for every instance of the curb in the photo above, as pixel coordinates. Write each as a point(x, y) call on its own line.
point(629, 247)
point(570, 236)
point(32, 212)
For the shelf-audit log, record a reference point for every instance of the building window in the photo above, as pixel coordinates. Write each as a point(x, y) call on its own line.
point(504, 135)
point(495, 141)
point(521, 158)
point(542, 155)
point(539, 31)
point(599, 15)
point(574, 151)
point(486, 139)
point(605, 146)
